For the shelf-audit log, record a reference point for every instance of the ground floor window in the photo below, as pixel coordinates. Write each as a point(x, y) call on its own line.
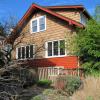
point(25, 52)
point(53, 71)
point(55, 48)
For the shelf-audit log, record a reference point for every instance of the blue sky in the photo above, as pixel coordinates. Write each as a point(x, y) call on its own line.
point(17, 8)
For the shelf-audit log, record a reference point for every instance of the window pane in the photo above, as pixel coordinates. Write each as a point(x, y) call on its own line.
point(34, 26)
point(19, 53)
point(42, 23)
point(23, 52)
point(49, 48)
point(55, 47)
point(27, 51)
point(62, 47)
point(31, 51)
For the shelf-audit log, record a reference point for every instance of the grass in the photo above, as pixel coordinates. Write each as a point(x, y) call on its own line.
point(90, 90)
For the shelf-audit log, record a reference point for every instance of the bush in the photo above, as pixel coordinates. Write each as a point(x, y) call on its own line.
point(38, 97)
point(69, 84)
point(72, 84)
point(44, 83)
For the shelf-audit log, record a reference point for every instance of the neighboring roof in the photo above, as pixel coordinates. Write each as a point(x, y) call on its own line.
point(64, 6)
point(80, 7)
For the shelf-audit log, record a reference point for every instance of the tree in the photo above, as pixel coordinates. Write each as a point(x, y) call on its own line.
point(88, 42)
point(2, 31)
point(97, 13)
point(5, 30)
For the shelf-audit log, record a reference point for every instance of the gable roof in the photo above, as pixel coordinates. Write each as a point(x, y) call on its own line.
point(35, 7)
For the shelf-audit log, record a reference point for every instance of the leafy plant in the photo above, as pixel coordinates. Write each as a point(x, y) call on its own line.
point(38, 97)
point(88, 41)
point(44, 83)
point(69, 84)
point(72, 84)
point(89, 98)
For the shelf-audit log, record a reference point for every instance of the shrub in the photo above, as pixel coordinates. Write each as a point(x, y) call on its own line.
point(72, 84)
point(69, 84)
point(44, 83)
point(38, 97)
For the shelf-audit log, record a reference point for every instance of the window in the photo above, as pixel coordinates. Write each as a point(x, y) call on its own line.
point(56, 48)
point(34, 26)
point(83, 19)
point(38, 24)
point(25, 52)
point(54, 71)
point(49, 48)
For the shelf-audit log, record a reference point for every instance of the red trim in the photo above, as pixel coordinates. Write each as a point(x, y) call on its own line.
point(34, 6)
point(66, 62)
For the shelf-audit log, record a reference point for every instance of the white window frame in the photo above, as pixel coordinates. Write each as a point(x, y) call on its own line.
point(38, 29)
point(46, 49)
point(51, 70)
point(25, 52)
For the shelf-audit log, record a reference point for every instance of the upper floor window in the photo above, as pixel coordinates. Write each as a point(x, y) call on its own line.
point(83, 19)
point(25, 52)
point(38, 24)
point(55, 48)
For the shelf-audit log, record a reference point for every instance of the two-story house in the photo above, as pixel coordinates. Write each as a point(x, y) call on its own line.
point(43, 30)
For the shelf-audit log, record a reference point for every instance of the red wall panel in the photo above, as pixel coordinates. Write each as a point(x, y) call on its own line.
point(67, 62)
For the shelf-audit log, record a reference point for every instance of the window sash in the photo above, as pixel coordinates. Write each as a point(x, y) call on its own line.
point(62, 47)
point(34, 26)
point(19, 53)
point(23, 52)
point(49, 48)
point(27, 52)
point(55, 48)
point(31, 51)
point(42, 23)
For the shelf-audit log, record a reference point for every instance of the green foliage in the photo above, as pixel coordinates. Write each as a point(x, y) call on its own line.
point(38, 97)
point(44, 83)
point(89, 98)
point(69, 84)
point(88, 41)
point(72, 84)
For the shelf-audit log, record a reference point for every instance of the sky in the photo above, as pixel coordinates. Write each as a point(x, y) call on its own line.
point(17, 8)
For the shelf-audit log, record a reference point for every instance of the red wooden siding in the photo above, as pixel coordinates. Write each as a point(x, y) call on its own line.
point(67, 62)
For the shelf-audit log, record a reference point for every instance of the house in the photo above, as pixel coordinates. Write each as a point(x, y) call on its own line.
point(43, 30)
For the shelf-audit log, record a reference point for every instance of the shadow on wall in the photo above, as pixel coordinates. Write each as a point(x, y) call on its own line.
point(66, 62)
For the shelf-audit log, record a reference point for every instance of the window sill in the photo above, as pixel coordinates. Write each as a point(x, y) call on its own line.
point(55, 56)
point(38, 31)
point(26, 59)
